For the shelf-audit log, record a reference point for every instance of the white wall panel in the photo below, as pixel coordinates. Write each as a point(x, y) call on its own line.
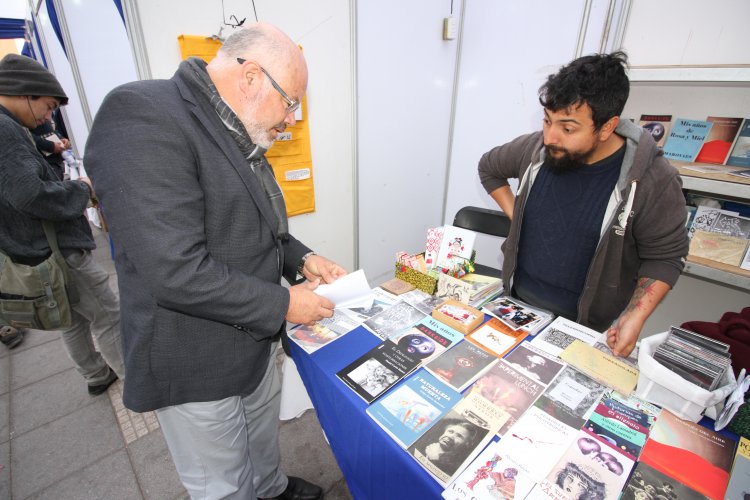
point(405, 87)
point(507, 51)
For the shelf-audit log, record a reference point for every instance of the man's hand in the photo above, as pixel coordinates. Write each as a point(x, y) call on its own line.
point(307, 307)
point(623, 334)
point(59, 147)
point(317, 267)
point(65, 143)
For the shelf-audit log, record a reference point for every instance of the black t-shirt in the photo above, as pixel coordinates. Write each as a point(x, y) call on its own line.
point(560, 231)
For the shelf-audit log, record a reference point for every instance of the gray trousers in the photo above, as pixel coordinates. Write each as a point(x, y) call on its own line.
point(229, 448)
point(97, 314)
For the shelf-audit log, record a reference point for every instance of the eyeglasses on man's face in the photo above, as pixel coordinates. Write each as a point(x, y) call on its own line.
point(291, 104)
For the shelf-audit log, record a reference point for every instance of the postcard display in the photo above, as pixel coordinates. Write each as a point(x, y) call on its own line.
point(489, 414)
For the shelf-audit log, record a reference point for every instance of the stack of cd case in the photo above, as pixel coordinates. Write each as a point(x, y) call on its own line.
point(696, 358)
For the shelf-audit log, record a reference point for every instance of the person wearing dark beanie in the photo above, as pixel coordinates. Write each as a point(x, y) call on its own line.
point(30, 192)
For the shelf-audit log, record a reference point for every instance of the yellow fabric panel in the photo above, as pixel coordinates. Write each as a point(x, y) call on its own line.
point(198, 46)
point(290, 157)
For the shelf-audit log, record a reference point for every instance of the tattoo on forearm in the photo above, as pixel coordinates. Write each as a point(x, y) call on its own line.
point(643, 290)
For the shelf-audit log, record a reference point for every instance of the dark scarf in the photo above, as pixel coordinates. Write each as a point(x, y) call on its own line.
point(254, 154)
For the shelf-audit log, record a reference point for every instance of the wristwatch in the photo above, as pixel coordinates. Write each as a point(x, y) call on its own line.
point(302, 261)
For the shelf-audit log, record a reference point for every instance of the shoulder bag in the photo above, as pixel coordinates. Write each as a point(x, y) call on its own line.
point(38, 297)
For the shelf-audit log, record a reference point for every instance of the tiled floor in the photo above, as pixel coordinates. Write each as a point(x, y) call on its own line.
point(57, 442)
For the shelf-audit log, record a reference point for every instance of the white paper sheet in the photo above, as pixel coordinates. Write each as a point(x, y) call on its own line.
point(351, 290)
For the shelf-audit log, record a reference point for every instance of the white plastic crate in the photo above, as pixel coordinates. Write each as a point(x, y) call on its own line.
point(661, 386)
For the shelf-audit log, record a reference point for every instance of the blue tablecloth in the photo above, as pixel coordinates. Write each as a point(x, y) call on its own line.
point(374, 466)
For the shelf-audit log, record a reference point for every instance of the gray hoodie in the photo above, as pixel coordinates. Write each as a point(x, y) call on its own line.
point(643, 230)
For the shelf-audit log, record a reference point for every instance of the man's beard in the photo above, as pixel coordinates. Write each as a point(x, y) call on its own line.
point(257, 131)
point(568, 161)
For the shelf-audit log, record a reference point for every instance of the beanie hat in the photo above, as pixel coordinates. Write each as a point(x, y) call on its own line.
point(21, 75)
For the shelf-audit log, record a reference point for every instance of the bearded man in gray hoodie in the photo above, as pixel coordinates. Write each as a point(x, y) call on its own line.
point(598, 221)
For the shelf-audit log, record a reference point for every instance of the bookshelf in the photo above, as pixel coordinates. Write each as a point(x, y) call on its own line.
point(723, 186)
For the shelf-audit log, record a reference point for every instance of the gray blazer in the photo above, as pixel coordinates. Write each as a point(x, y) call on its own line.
point(197, 257)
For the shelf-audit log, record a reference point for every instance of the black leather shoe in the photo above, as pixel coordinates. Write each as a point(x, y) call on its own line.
point(95, 390)
point(299, 489)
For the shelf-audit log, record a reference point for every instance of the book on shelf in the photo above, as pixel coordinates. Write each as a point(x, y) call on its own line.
point(705, 217)
point(535, 364)
point(454, 440)
point(411, 408)
point(496, 337)
point(720, 247)
point(571, 397)
point(590, 468)
point(561, 333)
point(690, 454)
point(686, 139)
point(427, 339)
point(658, 125)
point(745, 264)
point(461, 365)
point(517, 314)
point(489, 477)
point(379, 369)
point(508, 389)
point(719, 140)
point(739, 155)
point(739, 479)
point(605, 368)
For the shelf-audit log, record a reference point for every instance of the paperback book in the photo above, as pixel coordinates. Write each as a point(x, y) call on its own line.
point(686, 139)
point(507, 389)
point(489, 477)
point(536, 442)
point(517, 314)
point(690, 454)
point(454, 440)
point(378, 370)
point(718, 247)
point(589, 468)
point(602, 367)
point(716, 147)
point(393, 319)
point(571, 397)
point(496, 337)
point(481, 286)
point(411, 408)
point(534, 363)
point(647, 482)
point(561, 333)
point(622, 432)
point(658, 126)
point(449, 287)
point(312, 337)
point(739, 480)
point(739, 155)
point(461, 365)
point(427, 339)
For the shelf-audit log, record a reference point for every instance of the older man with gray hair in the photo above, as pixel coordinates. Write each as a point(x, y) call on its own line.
point(201, 239)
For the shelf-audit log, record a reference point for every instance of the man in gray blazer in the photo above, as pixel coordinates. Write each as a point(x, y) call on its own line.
point(201, 243)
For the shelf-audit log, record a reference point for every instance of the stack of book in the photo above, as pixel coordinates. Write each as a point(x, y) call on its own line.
point(696, 358)
point(483, 288)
